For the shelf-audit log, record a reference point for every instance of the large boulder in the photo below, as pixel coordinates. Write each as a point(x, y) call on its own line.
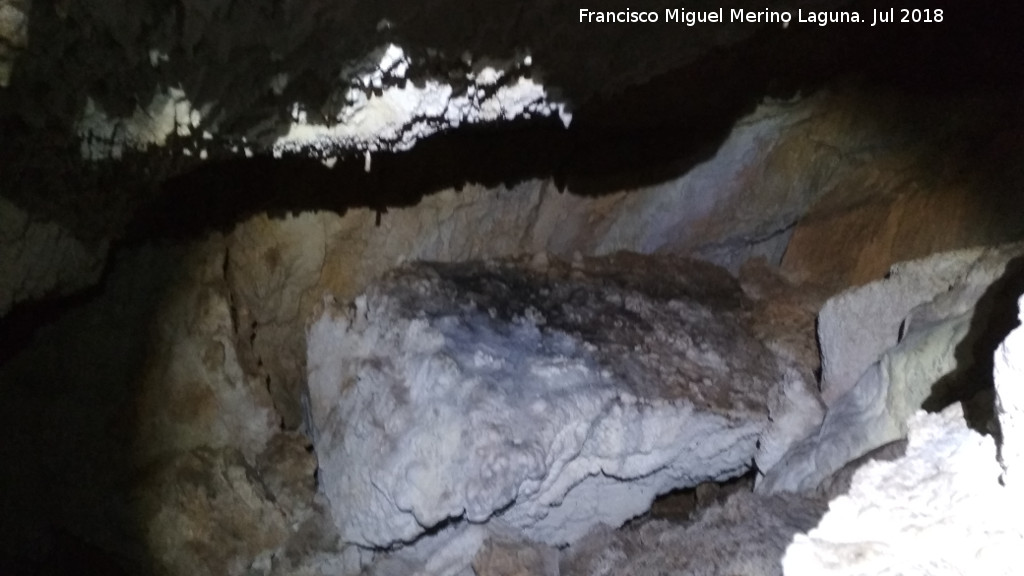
point(557, 397)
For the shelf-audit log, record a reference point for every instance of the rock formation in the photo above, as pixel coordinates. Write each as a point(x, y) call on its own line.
point(935, 354)
point(553, 397)
point(946, 507)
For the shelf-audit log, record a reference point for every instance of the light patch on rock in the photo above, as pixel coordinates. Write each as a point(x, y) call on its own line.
point(796, 410)
point(947, 507)
point(1009, 379)
point(748, 534)
point(13, 35)
point(385, 112)
point(875, 410)
point(196, 393)
point(102, 137)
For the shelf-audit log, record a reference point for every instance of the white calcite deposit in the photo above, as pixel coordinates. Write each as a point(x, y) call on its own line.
point(938, 510)
point(555, 397)
point(1009, 380)
point(382, 109)
point(39, 258)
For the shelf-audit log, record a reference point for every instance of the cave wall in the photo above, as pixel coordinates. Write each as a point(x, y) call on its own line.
point(202, 343)
point(929, 186)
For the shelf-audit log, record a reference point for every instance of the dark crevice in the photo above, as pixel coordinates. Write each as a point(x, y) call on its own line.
point(684, 504)
point(19, 326)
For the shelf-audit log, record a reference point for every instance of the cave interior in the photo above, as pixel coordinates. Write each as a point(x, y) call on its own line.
point(193, 314)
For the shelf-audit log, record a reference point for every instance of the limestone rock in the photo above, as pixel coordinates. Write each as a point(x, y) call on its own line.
point(208, 513)
point(195, 392)
point(856, 326)
point(784, 318)
point(839, 483)
point(680, 505)
point(874, 411)
point(557, 400)
point(272, 269)
point(795, 411)
point(934, 362)
point(883, 203)
point(748, 534)
point(1009, 382)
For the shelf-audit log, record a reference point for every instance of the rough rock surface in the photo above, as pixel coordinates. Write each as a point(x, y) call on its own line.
point(148, 439)
point(512, 556)
point(858, 325)
point(204, 345)
point(949, 506)
point(207, 513)
point(937, 352)
point(558, 397)
point(195, 392)
point(42, 259)
point(277, 269)
point(748, 534)
point(1009, 382)
point(906, 200)
point(839, 483)
point(940, 510)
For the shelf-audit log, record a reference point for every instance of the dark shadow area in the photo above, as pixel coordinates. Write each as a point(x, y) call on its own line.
point(18, 328)
point(995, 315)
point(68, 387)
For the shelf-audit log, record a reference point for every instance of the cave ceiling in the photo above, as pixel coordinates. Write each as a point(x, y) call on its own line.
point(508, 90)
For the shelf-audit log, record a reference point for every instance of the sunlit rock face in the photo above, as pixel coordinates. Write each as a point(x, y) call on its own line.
point(932, 365)
point(555, 396)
